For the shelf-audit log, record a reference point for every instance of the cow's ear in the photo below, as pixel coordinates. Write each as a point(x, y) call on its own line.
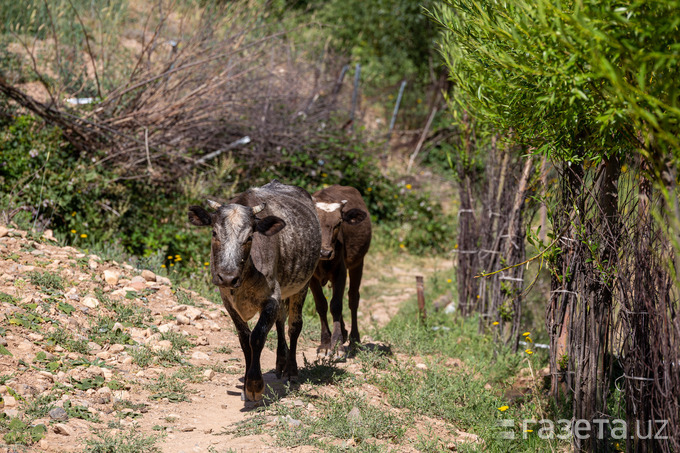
point(270, 225)
point(354, 216)
point(199, 216)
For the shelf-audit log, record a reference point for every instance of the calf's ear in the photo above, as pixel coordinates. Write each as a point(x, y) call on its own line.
point(199, 216)
point(270, 225)
point(354, 216)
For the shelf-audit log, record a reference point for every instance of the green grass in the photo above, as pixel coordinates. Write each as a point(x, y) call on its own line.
point(464, 394)
point(122, 442)
point(171, 387)
point(48, 282)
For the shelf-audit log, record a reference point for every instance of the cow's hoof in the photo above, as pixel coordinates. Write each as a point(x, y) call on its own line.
point(254, 390)
point(254, 396)
point(323, 351)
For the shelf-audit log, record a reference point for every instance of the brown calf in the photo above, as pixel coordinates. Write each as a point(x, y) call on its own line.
point(345, 239)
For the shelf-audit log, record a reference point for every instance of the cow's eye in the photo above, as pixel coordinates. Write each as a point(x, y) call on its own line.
point(214, 234)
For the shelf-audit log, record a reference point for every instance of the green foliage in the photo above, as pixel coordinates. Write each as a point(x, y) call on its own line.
point(391, 38)
point(20, 432)
point(48, 282)
point(172, 388)
point(577, 80)
point(121, 442)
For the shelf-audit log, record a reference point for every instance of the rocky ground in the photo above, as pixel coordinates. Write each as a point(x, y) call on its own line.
point(95, 349)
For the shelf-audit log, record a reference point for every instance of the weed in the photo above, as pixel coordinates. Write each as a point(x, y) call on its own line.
point(21, 432)
point(224, 350)
point(102, 332)
point(8, 299)
point(79, 412)
point(142, 356)
point(122, 442)
point(171, 388)
point(40, 406)
point(184, 298)
point(48, 282)
point(179, 341)
point(63, 338)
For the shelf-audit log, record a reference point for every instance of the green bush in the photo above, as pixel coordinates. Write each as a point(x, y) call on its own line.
point(89, 205)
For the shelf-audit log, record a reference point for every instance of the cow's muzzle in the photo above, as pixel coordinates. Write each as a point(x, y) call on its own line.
point(327, 254)
point(227, 280)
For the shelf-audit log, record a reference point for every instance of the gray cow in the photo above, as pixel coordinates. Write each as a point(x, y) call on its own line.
point(265, 246)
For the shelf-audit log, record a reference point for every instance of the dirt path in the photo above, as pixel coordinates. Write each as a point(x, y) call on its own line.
point(75, 335)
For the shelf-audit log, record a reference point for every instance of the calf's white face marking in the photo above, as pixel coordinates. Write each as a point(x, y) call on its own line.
point(328, 207)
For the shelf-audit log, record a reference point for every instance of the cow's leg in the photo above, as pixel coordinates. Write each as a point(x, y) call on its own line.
point(282, 346)
point(355, 275)
point(243, 332)
point(339, 332)
point(322, 310)
point(294, 328)
point(254, 382)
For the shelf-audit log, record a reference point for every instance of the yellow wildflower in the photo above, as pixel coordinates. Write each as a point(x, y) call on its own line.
point(206, 263)
point(529, 351)
point(402, 246)
point(529, 340)
point(495, 323)
point(73, 231)
point(503, 408)
point(323, 175)
point(163, 266)
point(529, 431)
point(83, 235)
point(169, 257)
point(409, 186)
point(369, 189)
point(448, 280)
point(172, 264)
point(73, 214)
point(526, 334)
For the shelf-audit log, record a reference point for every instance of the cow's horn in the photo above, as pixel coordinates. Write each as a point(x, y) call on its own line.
point(214, 204)
point(257, 209)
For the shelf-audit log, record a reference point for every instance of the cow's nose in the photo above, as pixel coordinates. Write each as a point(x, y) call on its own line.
point(228, 280)
point(326, 254)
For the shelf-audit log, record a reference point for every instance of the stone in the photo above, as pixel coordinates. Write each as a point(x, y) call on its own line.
point(62, 429)
point(421, 366)
point(163, 280)
point(116, 348)
point(118, 327)
point(354, 416)
point(148, 275)
point(58, 413)
point(198, 355)
point(202, 341)
point(47, 375)
point(193, 313)
point(9, 401)
point(169, 327)
point(90, 302)
point(208, 374)
point(163, 345)
point(3, 231)
point(92, 264)
point(182, 320)
point(111, 277)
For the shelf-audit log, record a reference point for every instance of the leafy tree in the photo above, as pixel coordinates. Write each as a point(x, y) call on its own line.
point(590, 84)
